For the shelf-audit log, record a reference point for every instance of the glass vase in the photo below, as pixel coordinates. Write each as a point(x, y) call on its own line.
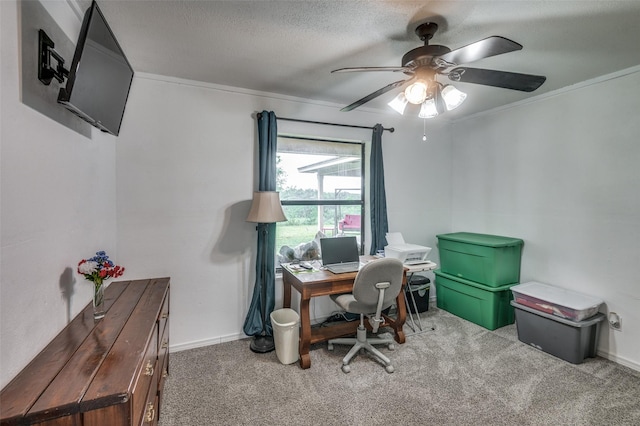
point(98, 300)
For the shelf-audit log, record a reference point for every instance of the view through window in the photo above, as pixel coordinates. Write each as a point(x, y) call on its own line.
point(321, 185)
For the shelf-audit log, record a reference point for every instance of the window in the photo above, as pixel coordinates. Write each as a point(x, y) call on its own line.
point(321, 185)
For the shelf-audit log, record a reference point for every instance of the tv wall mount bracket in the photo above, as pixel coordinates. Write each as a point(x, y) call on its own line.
point(46, 72)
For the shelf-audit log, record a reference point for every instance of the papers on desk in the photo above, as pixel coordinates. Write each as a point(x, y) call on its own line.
point(296, 268)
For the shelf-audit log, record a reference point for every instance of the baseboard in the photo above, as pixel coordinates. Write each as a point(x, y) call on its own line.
point(206, 342)
point(217, 340)
point(619, 360)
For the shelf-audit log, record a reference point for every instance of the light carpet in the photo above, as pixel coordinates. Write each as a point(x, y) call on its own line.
point(457, 374)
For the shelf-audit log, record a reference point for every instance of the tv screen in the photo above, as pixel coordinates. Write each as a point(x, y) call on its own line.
point(100, 75)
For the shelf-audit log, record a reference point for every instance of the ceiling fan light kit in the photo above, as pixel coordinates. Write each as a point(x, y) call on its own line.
point(432, 103)
point(423, 64)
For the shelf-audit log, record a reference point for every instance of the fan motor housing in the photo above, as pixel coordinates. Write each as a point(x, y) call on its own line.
point(423, 56)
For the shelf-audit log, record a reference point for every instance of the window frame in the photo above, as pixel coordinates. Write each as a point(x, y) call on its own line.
point(333, 202)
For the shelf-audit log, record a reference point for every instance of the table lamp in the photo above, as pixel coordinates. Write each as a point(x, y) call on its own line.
point(265, 209)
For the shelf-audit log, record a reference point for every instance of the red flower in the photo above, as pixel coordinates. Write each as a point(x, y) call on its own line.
point(80, 263)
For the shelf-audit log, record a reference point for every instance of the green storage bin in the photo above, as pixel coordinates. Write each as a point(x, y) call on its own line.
point(486, 306)
point(486, 259)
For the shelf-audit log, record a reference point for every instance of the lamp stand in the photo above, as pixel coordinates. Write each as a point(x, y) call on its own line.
point(263, 343)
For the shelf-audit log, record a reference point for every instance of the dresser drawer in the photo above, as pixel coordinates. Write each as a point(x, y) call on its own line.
point(163, 338)
point(163, 361)
point(163, 318)
point(163, 354)
point(147, 379)
point(151, 410)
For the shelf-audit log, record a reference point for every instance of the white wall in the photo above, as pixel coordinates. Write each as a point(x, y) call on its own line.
point(186, 170)
point(185, 166)
point(180, 176)
point(57, 207)
point(562, 174)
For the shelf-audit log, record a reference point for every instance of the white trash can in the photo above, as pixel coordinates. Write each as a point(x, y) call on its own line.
point(286, 333)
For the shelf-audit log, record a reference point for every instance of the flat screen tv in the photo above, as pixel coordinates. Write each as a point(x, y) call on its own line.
point(100, 76)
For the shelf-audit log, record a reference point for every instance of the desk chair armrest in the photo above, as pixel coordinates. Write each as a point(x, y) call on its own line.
point(377, 319)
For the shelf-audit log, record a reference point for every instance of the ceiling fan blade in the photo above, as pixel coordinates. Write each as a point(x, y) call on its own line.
point(375, 94)
point(504, 79)
point(360, 69)
point(490, 46)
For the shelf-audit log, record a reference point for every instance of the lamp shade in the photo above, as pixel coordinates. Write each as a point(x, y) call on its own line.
point(399, 103)
point(266, 208)
point(453, 97)
point(428, 109)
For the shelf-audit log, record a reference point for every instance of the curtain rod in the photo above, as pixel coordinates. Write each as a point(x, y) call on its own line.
point(390, 129)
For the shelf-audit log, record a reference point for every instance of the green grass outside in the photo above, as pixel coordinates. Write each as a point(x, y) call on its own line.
point(292, 235)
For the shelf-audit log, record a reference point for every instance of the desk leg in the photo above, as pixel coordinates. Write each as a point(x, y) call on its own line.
point(401, 318)
point(305, 333)
point(286, 292)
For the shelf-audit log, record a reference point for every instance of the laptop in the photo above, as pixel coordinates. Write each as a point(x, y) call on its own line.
point(340, 254)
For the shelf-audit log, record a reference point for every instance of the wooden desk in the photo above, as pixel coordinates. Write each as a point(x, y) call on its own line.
point(323, 283)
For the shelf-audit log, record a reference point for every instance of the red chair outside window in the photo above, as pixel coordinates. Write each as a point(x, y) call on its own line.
point(350, 223)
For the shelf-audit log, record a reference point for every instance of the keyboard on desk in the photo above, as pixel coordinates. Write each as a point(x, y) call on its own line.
point(341, 268)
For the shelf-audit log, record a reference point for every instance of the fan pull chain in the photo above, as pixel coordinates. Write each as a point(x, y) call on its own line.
point(424, 131)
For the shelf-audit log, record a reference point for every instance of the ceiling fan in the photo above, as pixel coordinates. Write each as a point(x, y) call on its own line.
point(423, 64)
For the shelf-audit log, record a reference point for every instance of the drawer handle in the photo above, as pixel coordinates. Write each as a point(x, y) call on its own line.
point(148, 369)
point(151, 413)
point(165, 373)
point(165, 344)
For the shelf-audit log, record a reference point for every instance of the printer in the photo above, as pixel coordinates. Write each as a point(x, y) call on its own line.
point(409, 254)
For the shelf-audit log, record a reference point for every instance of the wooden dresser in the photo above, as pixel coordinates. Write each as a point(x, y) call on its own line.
point(108, 373)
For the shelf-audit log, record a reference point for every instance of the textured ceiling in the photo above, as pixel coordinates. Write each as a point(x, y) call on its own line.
point(290, 47)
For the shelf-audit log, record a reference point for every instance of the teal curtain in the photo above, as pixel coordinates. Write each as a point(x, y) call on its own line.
point(265, 267)
point(378, 197)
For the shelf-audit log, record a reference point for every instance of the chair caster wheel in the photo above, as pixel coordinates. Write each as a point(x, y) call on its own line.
point(330, 346)
point(389, 368)
point(392, 347)
point(346, 369)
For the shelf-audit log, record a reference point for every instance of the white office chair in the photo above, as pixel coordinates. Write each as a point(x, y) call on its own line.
point(375, 288)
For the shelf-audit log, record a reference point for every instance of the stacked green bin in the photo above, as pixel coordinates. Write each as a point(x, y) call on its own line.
point(475, 276)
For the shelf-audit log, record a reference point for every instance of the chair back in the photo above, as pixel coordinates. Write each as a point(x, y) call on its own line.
point(378, 271)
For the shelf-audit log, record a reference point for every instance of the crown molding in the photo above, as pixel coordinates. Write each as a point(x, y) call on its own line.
point(553, 93)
